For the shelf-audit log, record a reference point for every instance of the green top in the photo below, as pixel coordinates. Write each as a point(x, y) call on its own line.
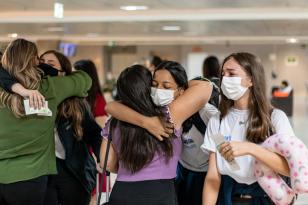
point(27, 145)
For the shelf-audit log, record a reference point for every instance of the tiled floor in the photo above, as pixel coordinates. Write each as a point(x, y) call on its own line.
point(300, 125)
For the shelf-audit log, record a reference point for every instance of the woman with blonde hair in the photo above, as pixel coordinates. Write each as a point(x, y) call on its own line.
point(27, 142)
point(75, 131)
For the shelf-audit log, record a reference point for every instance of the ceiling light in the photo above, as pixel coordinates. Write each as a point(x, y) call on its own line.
point(133, 8)
point(13, 35)
point(171, 28)
point(55, 29)
point(291, 40)
point(58, 10)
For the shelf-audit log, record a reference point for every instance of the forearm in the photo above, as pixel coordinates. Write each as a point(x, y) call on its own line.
point(18, 89)
point(210, 192)
point(192, 100)
point(273, 160)
point(211, 182)
point(125, 113)
point(6, 80)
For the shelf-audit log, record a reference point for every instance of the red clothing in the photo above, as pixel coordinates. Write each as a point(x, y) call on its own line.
point(280, 94)
point(99, 106)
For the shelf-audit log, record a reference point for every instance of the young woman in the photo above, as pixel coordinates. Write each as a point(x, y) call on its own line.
point(75, 130)
point(153, 62)
point(146, 166)
point(193, 164)
point(211, 69)
point(246, 120)
point(76, 167)
point(95, 98)
point(27, 142)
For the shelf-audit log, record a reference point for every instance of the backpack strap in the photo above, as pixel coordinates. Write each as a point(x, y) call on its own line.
point(112, 121)
point(199, 123)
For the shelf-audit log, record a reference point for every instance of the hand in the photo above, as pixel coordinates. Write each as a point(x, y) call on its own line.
point(158, 128)
point(230, 150)
point(99, 168)
point(36, 99)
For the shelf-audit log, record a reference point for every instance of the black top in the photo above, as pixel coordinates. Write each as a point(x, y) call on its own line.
point(77, 156)
point(7, 81)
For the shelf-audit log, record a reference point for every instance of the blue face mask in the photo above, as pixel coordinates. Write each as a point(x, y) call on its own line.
point(162, 97)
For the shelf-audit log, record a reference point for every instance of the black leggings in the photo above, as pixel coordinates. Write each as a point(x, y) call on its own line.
point(65, 189)
point(25, 192)
point(154, 192)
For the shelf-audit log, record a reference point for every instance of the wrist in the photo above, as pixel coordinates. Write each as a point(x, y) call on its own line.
point(144, 121)
point(19, 89)
point(251, 148)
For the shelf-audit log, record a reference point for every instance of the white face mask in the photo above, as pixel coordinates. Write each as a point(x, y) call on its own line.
point(232, 87)
point(162, 97)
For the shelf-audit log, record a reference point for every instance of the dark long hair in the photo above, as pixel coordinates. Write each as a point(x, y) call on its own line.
point(259, 122)
point(89, 67)
point(156, 60)
point(211, 67)
point(138, 146)
point(179, 75)
point(72, 107)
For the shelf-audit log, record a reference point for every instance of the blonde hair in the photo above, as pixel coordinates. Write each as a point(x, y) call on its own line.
point(20, 60)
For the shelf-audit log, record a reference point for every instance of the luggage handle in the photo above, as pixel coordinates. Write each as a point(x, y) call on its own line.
point(109, 139)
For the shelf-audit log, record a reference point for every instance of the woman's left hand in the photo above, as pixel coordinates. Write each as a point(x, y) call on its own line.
point(232, 149)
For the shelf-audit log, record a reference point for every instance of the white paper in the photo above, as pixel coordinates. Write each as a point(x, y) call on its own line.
point(43, 111)
point(219, 139)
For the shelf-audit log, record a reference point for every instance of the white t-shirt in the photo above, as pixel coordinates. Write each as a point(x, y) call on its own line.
point(192, 157)
point(233, 127)
point(59, 148)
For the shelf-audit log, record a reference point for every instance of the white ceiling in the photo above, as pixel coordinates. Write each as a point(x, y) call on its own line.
point(39, 5)
point(201, 21)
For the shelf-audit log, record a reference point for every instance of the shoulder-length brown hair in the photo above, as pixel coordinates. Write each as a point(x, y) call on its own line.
point(259, 123)
point(72, 108)
point(20, 59)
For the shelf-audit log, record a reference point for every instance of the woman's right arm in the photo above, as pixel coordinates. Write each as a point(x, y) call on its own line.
point(211, 182)
point(152, 124)
point(192, 100)
point(10, 84)
point(76, 84)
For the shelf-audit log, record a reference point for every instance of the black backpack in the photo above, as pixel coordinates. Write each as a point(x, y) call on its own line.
point(214, 100)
